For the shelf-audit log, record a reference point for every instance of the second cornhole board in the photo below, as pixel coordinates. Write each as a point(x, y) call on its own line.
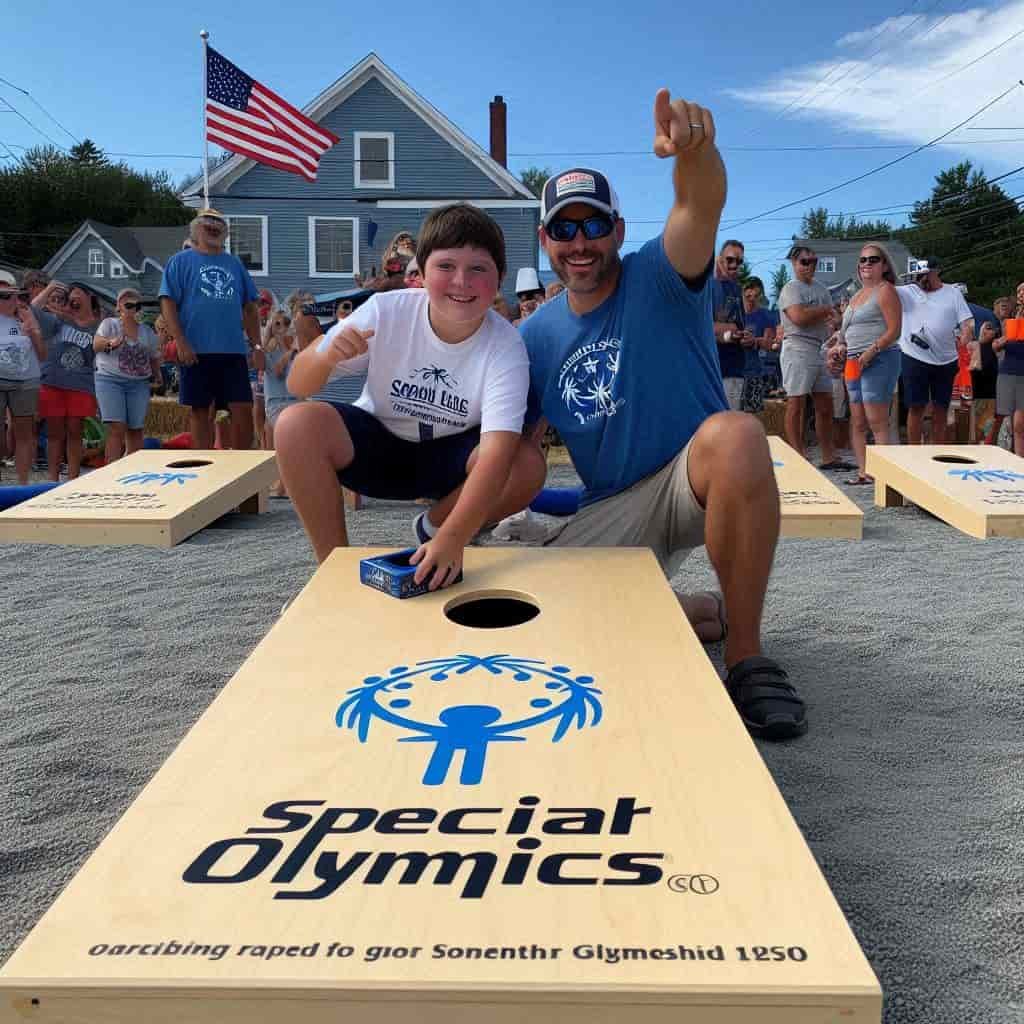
point(812, 506)
point(389, 817)
point(154, 496)
point(979, 489)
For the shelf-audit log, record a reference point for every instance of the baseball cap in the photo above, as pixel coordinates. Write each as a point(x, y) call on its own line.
point(527, 280)
point(926, 266)
point(578, 185)
point(210, 212)
point(7, 278)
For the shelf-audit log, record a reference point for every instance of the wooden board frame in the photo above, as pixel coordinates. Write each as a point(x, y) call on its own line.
point(154, 497)
point(667, 768)
point(978, 489)
point(812, 506)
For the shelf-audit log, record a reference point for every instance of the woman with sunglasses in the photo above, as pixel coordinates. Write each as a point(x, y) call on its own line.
point(127, 359)
point(871, 332)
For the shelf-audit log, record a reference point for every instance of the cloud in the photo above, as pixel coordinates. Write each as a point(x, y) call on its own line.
point(895, 86)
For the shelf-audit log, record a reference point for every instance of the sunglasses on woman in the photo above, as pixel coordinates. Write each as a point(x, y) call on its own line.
point(870, 259)
point(564, 230)
point(132, 305)
point(813, 262)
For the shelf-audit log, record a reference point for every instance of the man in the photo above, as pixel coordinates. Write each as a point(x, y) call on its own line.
point(761, 322)
point(730, 330)
point(206, 297)
point(636, 394)
point(413, 277)
point(808, 317)
point(933, 315)
point(529, 292)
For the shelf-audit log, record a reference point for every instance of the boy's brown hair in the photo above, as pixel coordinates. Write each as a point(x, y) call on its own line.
point(451, 227)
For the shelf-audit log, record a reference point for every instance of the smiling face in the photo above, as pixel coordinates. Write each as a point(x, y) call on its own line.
point(588, 267)
point(79, 307)
point(461, 284)
point(729, 262)
point(127, 314)
point(871, 266)
point(805, 263)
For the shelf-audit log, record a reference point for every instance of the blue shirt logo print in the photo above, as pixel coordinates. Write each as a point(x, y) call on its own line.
point(469, 729)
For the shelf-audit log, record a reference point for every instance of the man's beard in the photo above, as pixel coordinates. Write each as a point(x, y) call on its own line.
point(607, 267)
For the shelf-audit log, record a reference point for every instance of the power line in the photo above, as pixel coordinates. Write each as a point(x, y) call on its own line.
point(25, 92)
point(34, 127)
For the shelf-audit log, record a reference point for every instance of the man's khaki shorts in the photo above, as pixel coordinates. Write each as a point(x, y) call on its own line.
point(659, 512)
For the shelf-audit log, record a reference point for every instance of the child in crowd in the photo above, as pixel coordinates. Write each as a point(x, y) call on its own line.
point(441, 413)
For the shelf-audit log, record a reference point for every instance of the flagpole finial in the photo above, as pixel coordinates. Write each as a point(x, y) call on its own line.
point(204, 35)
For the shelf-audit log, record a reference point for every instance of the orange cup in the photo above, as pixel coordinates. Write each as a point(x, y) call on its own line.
point(1013, 327)
point(852, 369)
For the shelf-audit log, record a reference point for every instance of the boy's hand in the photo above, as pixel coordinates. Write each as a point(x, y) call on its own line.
point(680, 126)
point(440, 559)
point(347, 344)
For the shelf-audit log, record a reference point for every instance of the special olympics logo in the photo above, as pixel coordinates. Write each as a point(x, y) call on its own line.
point(564, 700)
point(983, 476)
point(586, 380)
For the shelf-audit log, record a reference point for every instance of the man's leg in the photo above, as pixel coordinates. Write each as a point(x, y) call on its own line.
point(795, 422)
point(313, 445)
point(199, 427)
point(241, 425)
point(939, 415)
point(915, 423)
point(823, 425)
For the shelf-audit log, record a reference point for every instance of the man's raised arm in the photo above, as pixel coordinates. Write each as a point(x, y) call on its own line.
point(686, 131)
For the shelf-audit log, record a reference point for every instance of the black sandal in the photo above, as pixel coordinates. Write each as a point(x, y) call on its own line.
point(768, 703)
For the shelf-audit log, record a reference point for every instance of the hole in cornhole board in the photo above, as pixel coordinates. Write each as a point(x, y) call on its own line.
point(492, 609)
point(960, 460)
point(189, 463)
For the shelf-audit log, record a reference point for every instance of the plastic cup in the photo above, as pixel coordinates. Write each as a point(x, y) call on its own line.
point(1013, 327)
point(852, 369)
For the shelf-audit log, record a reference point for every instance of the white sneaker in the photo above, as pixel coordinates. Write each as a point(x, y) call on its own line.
point(521, 526)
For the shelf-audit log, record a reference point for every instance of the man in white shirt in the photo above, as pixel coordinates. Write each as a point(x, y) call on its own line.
point(934, 314)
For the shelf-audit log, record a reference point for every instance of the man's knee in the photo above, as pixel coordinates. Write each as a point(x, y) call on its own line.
point(731, 434)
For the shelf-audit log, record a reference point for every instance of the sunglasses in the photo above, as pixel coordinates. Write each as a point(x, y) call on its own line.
point(732, 260)
point(808, 262)
point(132, 305)
point(5, 296)
point(870, 259)
point(564, 230)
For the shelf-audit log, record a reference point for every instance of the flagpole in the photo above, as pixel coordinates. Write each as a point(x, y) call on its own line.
point(204, 35)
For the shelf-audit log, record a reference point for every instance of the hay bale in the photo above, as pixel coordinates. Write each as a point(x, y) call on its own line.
point(165, 418)
point(774, 417)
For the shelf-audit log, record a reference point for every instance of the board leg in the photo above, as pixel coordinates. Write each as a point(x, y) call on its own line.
point(256, 504)
point(353, 499)
point(886, 497)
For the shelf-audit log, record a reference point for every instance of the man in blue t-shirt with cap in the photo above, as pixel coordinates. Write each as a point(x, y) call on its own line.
point(625, 366)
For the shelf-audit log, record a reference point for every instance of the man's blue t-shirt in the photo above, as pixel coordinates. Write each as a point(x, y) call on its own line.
point(628, 384)
point(727, 308)
point(760, 322)
point(210, 292)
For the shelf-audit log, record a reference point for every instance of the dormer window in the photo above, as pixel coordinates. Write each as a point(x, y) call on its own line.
point(96, 263)
point(374, 157)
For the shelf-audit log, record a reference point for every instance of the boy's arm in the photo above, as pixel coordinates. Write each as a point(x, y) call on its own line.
point(312, 368)
point(486, 480)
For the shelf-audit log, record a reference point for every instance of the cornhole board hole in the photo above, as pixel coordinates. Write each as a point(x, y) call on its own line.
point(812, 506)
point(392, 817)
point(979, 489)
point(152, 497)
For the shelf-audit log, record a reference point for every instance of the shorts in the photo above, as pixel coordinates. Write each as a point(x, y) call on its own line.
point(20, 396)
point(388, 466)
point(926, 382)
point(660, 512)
point(60, 403)
point(877, 383)
point(123, 400)
point(275, 406)
point(1009, 394)
point(733, 392)
point(803, 370)
point(221, 378)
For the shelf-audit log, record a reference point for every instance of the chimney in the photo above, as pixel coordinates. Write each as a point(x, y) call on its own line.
point(499, 131)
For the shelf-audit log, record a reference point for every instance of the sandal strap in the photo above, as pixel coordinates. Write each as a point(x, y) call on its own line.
point(759, 678)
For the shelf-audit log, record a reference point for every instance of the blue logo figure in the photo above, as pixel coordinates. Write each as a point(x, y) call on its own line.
point(470, 728)
point(156, 478)
point(983, 476)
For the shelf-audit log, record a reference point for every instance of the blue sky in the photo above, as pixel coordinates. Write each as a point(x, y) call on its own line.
point(579, 79)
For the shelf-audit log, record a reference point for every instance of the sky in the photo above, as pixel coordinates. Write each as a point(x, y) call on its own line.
point(804, 97)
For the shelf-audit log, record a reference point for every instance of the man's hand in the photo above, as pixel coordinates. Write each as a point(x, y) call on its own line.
point(440, 560)
point(746, 339)
point(988, 333)
point(186, 353)
point(680, 126)
point(347, 344)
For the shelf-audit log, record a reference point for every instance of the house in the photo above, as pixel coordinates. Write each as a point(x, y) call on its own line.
point(837, 262)
point(397, 159)
point(109, 259)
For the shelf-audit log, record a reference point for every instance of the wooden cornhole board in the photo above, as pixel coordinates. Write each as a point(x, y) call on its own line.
point(979, 489)
point(812, 506)
point(652, 826)
point(156, 497)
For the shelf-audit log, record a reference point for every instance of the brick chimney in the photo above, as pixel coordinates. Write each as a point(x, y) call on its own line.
point(499, 131)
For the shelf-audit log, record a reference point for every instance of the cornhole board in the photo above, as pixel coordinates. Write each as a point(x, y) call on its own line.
point(642, 868)
point(979, 489)
point(152, 497)
point(812, 506)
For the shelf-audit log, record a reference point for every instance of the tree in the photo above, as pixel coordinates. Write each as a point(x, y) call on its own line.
point(87, 152)
point(534, 177)
point(779, 281)
point(819, 223)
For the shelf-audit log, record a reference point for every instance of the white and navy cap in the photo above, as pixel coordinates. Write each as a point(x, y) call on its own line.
point(578, 185)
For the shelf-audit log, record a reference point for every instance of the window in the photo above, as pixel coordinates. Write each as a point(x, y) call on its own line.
point(333, 246)
point(117, 269)
point(374, 159)
point(247, 239)
point(826, 264)
point(95, 262)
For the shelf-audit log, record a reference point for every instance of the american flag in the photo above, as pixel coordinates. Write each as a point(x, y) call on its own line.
point(247, 118)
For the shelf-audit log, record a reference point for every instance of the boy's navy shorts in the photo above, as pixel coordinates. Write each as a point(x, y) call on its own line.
point(925, 382)
point(387, 466)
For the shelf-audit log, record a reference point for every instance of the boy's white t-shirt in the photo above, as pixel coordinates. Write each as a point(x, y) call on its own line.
point(935, 318)
point(420, 387)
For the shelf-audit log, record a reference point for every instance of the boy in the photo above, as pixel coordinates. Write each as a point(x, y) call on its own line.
point(441, 413)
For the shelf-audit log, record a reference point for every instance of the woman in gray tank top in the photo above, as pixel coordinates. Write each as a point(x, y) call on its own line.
point(870, 331)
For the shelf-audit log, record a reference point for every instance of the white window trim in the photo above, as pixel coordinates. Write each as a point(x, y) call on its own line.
point(117, 269)
point(265, 272)
point(832, 260)
point(313, 272)
point(96, 252)
point(358, 182)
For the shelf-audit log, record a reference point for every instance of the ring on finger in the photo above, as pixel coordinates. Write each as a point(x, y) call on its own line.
point(695, 125)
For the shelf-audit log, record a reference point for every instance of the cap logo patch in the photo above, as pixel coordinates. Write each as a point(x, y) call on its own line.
point(575, 181)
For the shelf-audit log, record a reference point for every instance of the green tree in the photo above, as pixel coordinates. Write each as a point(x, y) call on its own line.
point(87, 152)
point(819, 223)
point(779, 280)
point(534, 177)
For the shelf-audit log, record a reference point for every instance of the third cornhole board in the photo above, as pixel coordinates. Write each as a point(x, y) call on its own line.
point(389, 817)
point(812, 506)
point(979, 489)
point(154, 496)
